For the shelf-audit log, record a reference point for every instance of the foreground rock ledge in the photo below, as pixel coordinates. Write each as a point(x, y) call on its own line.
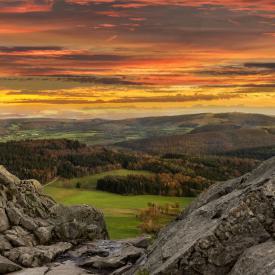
point(229, 229)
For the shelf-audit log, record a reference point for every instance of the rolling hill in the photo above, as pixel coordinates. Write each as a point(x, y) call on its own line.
point(98, 131)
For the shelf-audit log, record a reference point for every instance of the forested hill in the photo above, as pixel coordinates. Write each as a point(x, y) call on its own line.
point(46, 159)
point(205, 142)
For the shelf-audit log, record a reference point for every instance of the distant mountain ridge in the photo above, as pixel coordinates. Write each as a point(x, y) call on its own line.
point(101, 131)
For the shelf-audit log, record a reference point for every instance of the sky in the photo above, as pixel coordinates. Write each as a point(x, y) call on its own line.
point(134, 58)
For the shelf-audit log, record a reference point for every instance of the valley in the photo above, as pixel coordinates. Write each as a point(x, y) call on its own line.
point(119, 211)
point(123, 166)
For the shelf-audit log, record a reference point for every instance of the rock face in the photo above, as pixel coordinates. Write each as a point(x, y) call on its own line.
point(229, 229)
point(34, 229)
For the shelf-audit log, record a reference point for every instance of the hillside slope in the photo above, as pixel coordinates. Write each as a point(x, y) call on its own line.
point(204, 142)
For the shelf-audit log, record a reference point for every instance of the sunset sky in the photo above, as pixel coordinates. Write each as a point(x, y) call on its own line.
point(127, 58)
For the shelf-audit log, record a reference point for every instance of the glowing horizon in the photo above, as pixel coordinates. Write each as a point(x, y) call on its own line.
point(116, 59)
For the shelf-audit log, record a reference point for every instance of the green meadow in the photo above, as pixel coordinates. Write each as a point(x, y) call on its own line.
point(119, 211)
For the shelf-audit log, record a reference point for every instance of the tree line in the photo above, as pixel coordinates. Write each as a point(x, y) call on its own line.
point(160, 184)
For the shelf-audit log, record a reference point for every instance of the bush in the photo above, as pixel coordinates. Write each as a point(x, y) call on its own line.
point(152, 217)
point(78, 185)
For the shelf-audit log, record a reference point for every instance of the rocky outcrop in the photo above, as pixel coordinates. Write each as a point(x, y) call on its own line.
point(229, 229)
point(39, 236)
point(34, 229)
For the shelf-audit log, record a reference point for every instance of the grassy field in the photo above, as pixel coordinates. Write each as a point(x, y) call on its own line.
point(120, 211)
point(90, 137)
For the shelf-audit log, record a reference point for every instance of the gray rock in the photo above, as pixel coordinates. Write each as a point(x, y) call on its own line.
point(122, 270)
point(28, 223)
point(141, 242)
point(98, 257)
point(18, 236)
point(213, 233)
point(36, 256)
point(66, 268)
point(35, 183)
point(79, 222)
point(4, 244)
point(32, 271)
point(7, 178)
point(102, 263)
point(17, 217)
point(4, 222)
point(44, 234)
point(119, 255)
point(6, 266)
point(257, 260)
point(14, 214)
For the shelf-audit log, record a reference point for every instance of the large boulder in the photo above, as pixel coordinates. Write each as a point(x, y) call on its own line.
point(38, 255)
point(34, 229)
point(228, 230)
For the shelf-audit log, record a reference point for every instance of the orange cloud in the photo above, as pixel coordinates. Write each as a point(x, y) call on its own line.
point(130, 52)
point(25, 6)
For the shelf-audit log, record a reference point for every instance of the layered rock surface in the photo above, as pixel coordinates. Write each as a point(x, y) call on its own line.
point(229, 229)
point(103, 257)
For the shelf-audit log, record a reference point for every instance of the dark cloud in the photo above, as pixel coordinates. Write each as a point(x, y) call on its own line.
point(93, 57)
point(53, 101)
point(230, 86)
point(239, 72)
point(102, 35)
point(19, 49)
point(79, 80)
point(268, 65)
point(95, 79)
point(176, 98)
